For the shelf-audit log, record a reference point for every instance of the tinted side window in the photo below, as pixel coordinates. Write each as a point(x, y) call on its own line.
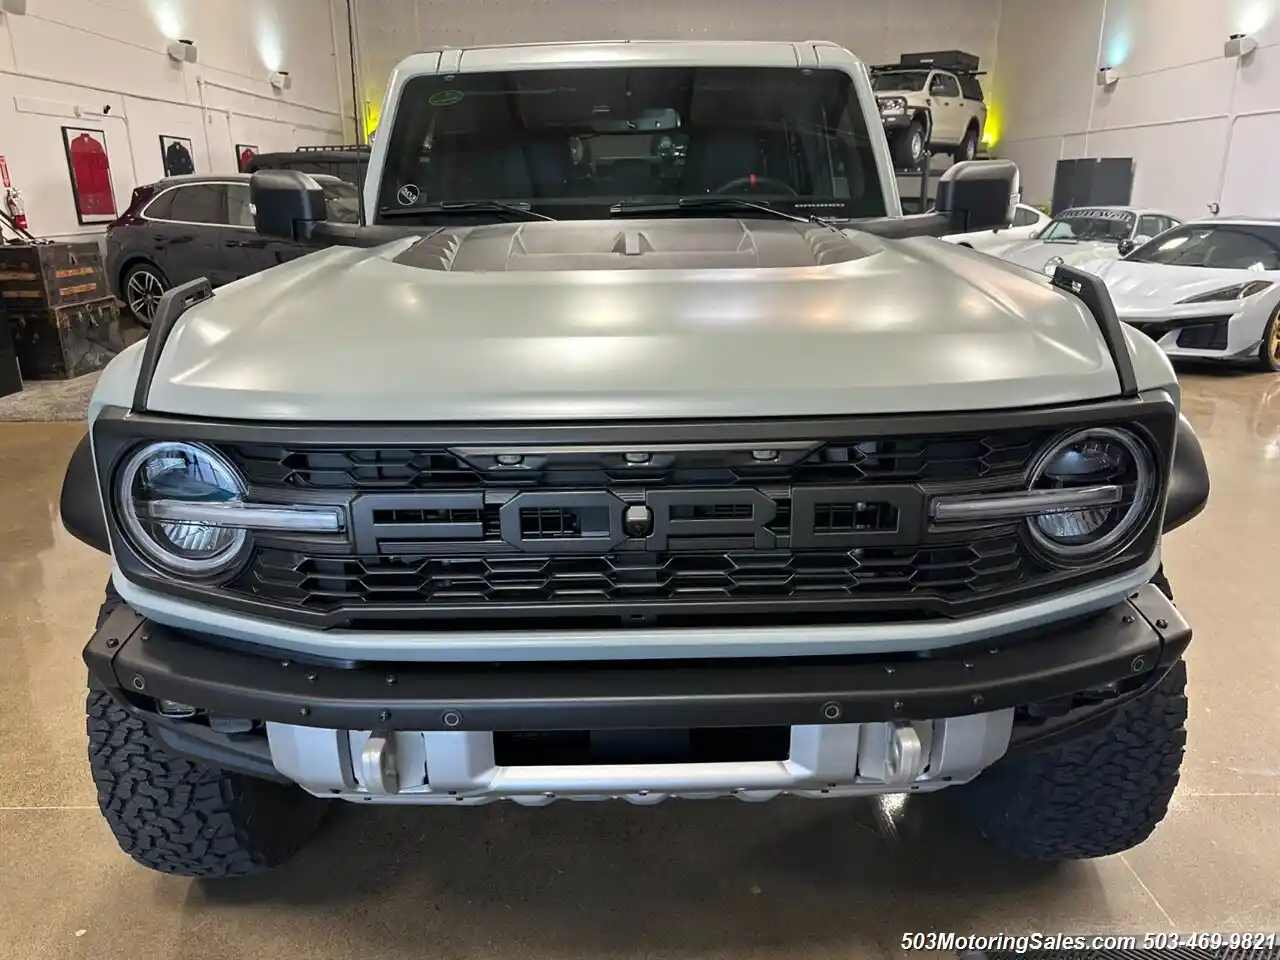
point(238, 207)
point(1023, 217)
point(971, 87)
point(1150, 226)
point(200, 203)
point(160, 207)
point(945, 86)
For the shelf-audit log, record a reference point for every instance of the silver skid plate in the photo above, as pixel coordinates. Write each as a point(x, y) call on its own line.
point(833, 760)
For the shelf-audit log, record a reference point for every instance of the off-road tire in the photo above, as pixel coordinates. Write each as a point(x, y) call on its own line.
point(900, 148)
point(1092, 797)
point(966, 149)
point(181, 816)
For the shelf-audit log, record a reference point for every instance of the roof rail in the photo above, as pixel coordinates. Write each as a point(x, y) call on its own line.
point(330, 148)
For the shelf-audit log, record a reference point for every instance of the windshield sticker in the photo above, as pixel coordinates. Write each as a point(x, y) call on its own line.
point(408, 195)
point(1093, 214)
point(446, 98)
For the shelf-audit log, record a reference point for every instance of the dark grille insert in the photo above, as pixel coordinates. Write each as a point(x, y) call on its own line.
point(1204, 336)
point(954, 572)
point(882, 460)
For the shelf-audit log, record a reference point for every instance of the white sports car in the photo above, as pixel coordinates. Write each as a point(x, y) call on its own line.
point(1027, 222)
point(1209, 289)
point(1085, 233)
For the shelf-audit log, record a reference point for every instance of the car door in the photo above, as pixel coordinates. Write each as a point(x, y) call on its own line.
point(257, 253)
point(193, 241)
point(947, 106)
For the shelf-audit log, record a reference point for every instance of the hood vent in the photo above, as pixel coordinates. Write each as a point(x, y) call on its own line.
point(677, 244)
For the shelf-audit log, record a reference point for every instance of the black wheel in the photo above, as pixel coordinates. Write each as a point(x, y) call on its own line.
point(1269, 352)
point(967, 149)
point(144, 284)
point(1092, 797)
point(181, 816)
point(908, 146)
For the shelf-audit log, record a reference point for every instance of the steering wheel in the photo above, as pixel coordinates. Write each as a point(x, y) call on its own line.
point(753, 181)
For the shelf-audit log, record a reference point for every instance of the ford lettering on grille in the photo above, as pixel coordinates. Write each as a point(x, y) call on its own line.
point(558, 522)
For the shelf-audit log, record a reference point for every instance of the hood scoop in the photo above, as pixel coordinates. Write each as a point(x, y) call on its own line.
point(676, 244)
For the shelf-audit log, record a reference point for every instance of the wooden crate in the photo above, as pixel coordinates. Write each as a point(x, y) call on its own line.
point(43, 276)
point(64, 342)
point(10, 376)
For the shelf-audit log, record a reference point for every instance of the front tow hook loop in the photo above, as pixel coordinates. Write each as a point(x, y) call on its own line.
point(378, 765)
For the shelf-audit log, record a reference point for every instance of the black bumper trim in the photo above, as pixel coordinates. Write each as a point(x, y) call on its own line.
point(138, 660)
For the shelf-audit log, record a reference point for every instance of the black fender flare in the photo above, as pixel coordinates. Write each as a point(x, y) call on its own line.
point(1188, 480)
point(81, 501)
point(925, 116)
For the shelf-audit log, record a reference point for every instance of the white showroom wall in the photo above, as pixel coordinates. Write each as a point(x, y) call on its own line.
point(101, 65)
point(1202, 128)
point(877, 30)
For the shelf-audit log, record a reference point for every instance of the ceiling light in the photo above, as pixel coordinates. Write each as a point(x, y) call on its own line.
point(281, 80)
point(183, 51)
point(1107, 78)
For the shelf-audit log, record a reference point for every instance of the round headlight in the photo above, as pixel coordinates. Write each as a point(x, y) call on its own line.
point(188, 472)
point(1099, 457)
point(1051, 267)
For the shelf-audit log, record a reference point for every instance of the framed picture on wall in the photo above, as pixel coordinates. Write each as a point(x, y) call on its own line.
point(178, 156)
point(90, 170)
point(245, 155)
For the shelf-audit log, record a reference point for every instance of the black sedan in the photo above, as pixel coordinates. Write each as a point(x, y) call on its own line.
point(184, 228)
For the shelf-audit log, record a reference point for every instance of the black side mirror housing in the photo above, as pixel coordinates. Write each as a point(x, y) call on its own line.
point(287, 204)
point(1126, 247)
point(978, 195)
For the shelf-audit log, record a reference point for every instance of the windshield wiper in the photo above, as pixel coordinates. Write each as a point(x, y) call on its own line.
point(709, 203)
point(465, 206)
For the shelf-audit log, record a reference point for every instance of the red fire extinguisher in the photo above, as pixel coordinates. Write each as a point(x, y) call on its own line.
point(13, 202)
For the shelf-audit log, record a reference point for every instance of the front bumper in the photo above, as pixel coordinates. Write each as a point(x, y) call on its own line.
point(895, 122)
point(1209, 335)
point(843, 712)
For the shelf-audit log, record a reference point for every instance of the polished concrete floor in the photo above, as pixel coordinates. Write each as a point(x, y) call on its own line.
point(714, 879)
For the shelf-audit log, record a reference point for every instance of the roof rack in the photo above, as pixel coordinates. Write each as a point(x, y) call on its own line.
point(956, 61)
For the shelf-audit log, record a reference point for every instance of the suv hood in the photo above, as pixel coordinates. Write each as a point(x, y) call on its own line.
point(631, 319)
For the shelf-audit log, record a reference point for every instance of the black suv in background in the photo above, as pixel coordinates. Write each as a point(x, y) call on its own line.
point(183, 228)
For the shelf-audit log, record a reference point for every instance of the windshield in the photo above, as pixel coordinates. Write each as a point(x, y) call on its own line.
point(907, 80)
point(571, 143)
point(342, 201)
point(1109, 225)
point(1219, 246)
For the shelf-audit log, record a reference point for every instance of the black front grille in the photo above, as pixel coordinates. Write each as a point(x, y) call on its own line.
point(949, 572)
point(879, 460)
point(794, 531)
point(1204, 336)
point(1194, 333)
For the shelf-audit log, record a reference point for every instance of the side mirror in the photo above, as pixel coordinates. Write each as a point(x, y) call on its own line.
point(978, 195)
point(287, 205)
point(1126, 247)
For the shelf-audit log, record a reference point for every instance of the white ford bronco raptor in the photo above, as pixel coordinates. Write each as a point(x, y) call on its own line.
point(634, 445)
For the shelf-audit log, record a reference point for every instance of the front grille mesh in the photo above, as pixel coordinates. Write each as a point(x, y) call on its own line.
point(952, 572)
point(442, 540)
